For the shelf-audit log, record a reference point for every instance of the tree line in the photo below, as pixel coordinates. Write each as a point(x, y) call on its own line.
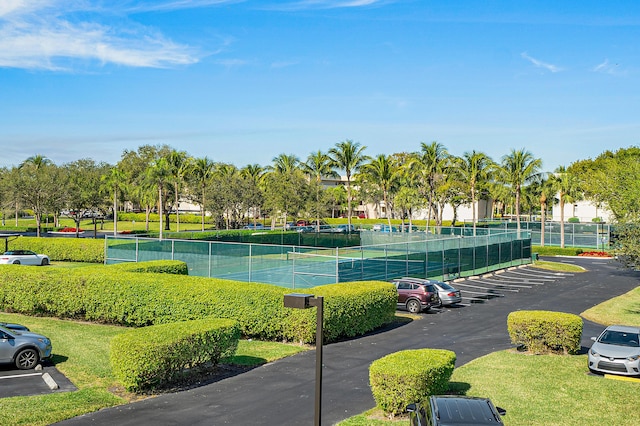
point(158, 177)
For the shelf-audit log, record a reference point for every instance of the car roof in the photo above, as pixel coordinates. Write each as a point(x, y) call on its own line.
point(463, 410)
point(624, 329)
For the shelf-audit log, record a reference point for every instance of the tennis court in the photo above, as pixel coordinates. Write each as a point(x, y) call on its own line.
point(305, 267)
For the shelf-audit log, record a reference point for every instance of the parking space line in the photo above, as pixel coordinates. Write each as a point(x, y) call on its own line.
point(502, 284)
point(15, 376)
point(485, 288)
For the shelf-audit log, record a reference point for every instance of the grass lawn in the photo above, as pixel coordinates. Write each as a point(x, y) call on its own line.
point(557, 266)
point(81, 352)
point(546, 389)
point(538, 390)
point(623, 309)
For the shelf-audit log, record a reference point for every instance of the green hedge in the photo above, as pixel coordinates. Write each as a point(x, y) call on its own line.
point(176, 267)
point(543, 332)
point(151, 357)
point(63, 248)
point(556, 251)
point(153, 217)
point(110, 295)
point(405, 377)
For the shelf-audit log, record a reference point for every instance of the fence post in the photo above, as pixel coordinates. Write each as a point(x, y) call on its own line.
point(251, 263)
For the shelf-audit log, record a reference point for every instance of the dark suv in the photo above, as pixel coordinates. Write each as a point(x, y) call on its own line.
point(455, 410)
point(416, 296)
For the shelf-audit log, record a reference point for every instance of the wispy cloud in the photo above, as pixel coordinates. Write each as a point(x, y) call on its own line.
point(540, 64)
point(324, 4)
point(606, 67)
point(49, 35)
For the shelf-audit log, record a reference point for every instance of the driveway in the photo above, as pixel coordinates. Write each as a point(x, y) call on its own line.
point(282, 392)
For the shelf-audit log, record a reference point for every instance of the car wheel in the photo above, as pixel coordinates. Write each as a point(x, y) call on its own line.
point(413, 306)
point(27, 359)
point(45, 262)
point(16, 262)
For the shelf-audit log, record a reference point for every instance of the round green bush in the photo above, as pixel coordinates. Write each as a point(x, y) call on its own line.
point(542, 332)
point(409, 376)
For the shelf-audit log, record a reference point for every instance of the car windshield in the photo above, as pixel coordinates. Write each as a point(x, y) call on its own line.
point(620, 338)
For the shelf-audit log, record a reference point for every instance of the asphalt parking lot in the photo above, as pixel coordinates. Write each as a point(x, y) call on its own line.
point(43, 381)
point(282, 392)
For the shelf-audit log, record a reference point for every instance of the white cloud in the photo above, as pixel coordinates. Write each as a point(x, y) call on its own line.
point(325, 4)
point(606, 67)
point(47, 35)
point(540, 64)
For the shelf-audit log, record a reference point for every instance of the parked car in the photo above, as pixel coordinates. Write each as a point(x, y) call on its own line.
point(12, 326)
point(23, 348)
point(307, 228)
point(415, 296)
point(345, 229)
point(24, 257)
point(408, 228)
point(381, 227)
point(455, 410)
point(253, 226)
point(448, 295)
point(302, 222)
point(616, 351)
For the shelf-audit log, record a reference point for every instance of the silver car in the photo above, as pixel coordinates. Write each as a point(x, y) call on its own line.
point(23, 348)
point(448, 295)
point(616, 351)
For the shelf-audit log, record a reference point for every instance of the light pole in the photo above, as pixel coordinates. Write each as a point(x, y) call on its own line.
point(304, 301)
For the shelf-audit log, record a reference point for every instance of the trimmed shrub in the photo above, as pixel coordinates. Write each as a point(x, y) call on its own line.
point(176, 267)
point(405, 377)
point(63, 248)
point(151, 357)
point(573, 220)
point(114, 296)
point(542, 332)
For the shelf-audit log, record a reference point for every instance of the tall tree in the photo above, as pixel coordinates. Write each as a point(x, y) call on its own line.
point(348, 156)
point(518, 168)
point(286, 186)
point(385, 174)
point(179, 164)
point(115, 183)
point(317, 167)
point(82, 190)
point(201, 173)
point(427, 166)
point(569, 191)
point(475, 170)
point(36, 185)
point(254, 175)
point(159, 174)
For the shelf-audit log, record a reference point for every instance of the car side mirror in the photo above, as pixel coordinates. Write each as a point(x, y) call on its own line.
point(594, 338)
point(501, 411)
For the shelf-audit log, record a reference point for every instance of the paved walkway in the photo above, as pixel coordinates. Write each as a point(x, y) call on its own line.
point(282, 392)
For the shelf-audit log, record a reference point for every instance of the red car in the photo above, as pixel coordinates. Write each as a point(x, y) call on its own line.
point(416, 296)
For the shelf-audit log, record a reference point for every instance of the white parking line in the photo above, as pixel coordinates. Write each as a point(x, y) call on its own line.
point(15, 376)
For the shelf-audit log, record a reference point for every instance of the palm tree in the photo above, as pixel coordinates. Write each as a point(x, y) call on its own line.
point(518, 168)
point(384, 173)
point(317, 166)
point(545, 191)
point(114, 181)
point(202, 172)
point(285, 175)
point(475, 169)
point(428, 166)
point(348, 156)
point(158, 174)
point(179, 163)
point(254, 173)
point(569, 191)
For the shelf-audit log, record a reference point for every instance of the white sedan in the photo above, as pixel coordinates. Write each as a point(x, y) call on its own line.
point(23, 257)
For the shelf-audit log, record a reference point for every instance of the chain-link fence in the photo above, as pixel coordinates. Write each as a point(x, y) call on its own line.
point(392, 256)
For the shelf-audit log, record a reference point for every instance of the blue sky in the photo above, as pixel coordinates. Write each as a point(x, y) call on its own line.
point(244, 81)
